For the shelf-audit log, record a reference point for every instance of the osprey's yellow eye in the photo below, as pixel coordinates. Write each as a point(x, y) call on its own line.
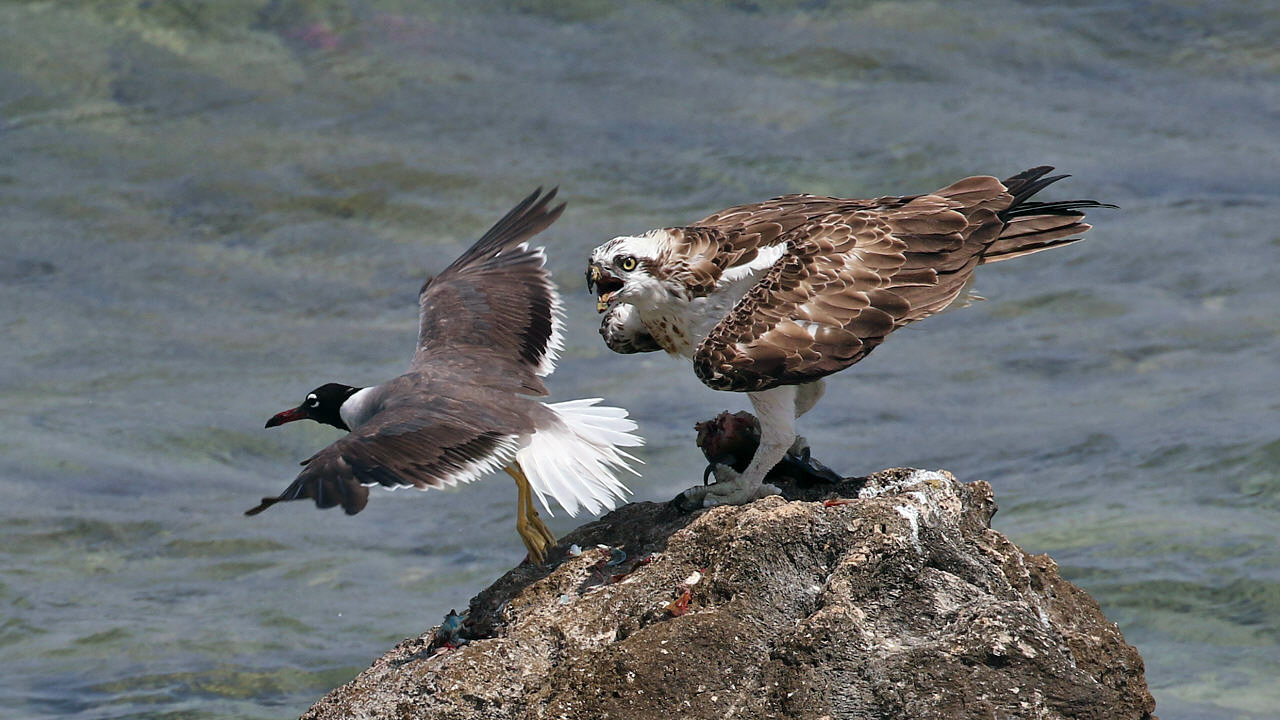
point(627, 263)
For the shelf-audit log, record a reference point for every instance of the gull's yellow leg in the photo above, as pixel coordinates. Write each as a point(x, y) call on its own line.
point(532, 532)
point(531, 513)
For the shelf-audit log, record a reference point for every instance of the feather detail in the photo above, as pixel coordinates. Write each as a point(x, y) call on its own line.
point(807, 285)
point(573, 459)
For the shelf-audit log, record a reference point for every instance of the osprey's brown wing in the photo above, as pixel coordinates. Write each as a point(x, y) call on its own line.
point(702, 252)
point(436, 436)
point(849, 278)
point(496, 306)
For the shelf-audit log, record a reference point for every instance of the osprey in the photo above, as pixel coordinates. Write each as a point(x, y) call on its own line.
point(489, 328)
point(770, 298)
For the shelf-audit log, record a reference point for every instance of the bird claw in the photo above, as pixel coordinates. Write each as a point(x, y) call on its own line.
point(691, 499)
point(740, 496)
point(730, 490)
point(694, 497)
point(814, 471)
point(725, 461)
point(724, 475)
point(727, 490)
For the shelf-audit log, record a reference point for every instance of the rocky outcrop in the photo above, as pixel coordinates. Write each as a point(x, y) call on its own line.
point(881, 597)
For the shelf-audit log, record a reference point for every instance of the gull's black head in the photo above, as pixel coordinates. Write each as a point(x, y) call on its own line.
point(322, 405)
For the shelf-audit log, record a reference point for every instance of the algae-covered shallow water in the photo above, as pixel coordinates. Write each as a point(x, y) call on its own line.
point(209, 208)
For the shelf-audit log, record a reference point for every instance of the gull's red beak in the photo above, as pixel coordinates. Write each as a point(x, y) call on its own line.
point(298, 413)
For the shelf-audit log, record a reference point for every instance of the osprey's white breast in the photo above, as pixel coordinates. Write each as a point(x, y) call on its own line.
point(674, 326)
point(679, 326)
point(678, 323)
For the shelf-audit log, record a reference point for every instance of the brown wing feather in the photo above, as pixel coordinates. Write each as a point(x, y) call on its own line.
point(697, 258)
point(848, 280)
point(495, 303)
point(701, 252)
point(822, 307)
point(855, 270)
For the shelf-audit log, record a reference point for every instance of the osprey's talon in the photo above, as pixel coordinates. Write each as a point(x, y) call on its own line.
point(730, 489)
point(706, 472)
point(741, 496)
point(815, 472)
point(724, 474)
point(691, 499)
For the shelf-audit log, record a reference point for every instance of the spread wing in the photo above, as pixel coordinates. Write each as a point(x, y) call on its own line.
point(496, 305)
point(432, 442)
point(848, 278)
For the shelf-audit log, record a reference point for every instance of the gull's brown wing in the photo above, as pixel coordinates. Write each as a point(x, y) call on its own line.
point(428, 440)
point(496, 306)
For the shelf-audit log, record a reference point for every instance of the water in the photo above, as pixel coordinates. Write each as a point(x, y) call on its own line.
point(210, 208)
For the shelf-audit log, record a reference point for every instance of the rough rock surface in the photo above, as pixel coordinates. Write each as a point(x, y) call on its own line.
point(898, 602)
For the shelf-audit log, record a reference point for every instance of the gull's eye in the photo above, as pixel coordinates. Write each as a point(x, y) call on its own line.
point(312, 400)
point(627, 263)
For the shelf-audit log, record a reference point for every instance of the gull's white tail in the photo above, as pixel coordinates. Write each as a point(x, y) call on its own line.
point(574, 461)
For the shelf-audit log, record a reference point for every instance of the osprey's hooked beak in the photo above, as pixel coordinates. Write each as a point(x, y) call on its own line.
point(606, 283)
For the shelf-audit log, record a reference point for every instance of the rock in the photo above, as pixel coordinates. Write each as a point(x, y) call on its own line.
point(893, 598)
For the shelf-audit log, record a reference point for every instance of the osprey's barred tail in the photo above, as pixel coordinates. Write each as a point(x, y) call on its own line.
point(1034, 226)
point(575, 461)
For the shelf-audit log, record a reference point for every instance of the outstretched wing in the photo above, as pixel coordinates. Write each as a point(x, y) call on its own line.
point(432, 442)
point(496, 304)
point(847, 280)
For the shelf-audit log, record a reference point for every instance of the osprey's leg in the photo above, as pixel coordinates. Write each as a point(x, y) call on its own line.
point(776, 411)
point(537, 538)
point(807, 396)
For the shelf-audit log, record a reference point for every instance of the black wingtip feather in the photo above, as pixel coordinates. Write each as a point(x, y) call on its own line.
point(1029, 182)
point(266, 503)
point(1059, 207)
point(528, 218)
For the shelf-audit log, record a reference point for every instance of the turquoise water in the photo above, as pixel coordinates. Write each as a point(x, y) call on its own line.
point(207, 209)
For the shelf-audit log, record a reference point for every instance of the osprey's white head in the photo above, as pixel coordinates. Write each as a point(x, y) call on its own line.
point(631, 269)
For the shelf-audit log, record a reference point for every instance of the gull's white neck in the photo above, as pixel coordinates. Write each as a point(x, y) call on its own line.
point(357, 409)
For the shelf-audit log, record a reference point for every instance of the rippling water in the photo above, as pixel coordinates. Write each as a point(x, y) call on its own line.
point(210, 208)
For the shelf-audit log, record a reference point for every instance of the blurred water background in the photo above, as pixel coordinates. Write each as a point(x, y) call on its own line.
point(209, 208)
